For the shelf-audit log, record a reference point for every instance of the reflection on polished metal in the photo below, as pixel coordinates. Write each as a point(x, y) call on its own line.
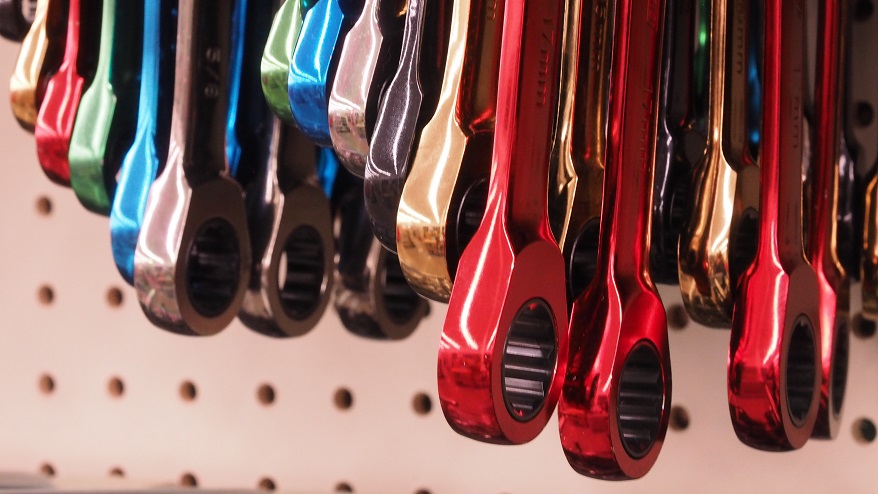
point(407, 105)
point(443, 199)
point(16, 18)
point(150, 147)
point(291, 238)
point(312, 70)
point(719, 239)
point(30, 65)
point(774, 359)
point(367, 62)
point(192, 262)
point(504, 343)
point(834, 284)
point(58, 109)
point(278, 56)
point(614, 406)
point(579, 148)
point(107, 116)
point(371, 296)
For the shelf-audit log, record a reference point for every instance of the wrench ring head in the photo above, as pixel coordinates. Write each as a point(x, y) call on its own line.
point(528, 360)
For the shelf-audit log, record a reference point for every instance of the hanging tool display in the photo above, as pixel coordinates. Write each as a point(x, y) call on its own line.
point(537, 164)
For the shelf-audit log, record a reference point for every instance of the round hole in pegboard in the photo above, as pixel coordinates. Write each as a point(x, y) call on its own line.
point(44, 206)
point(343, 487)
point(267, 484)
point(47, 384)
point(864, 431)
point(863, 10)
point(863, 327)
point(422, 491)
point(343, 399)
point(47, 469)
point(266, 394)
point(115, 297)
point(864, 114)
point(188, 391)
point(679, 419)
point(422, 403)
point(678, 318)
point(117, 472)
point(188, 480)
point(46, 295)
point(116, 387)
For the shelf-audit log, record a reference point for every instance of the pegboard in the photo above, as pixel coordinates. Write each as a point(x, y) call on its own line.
point(89, 390)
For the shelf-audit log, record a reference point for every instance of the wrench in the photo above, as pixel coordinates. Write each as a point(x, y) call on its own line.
point(613, 411)
point(278, 55)
point(504, 343)
point(16, 18)
point(107, 115)
point(192, 262)
point(775, 353)
point(443, 198)
point(40, 53)
point(149, 150)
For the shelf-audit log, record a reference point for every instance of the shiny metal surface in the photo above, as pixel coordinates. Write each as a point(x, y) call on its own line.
point(107, 117)
point(442, 200)
point(278, 54)
point(149, 149)
point(406, 107)
point(16, 18)
point(826, 210)
point(614, 407)
point(775, 354)
point(579, 147)
point(64, 89)
point(25, 80)
point(367, 62)
point(504, 342)
point(192, 262)
point(291, 238)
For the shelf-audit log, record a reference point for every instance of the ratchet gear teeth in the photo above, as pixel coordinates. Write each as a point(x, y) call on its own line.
point(641, 400)
point(529, 360)
point(400, 301)
point(213, 268)
point(302, 286)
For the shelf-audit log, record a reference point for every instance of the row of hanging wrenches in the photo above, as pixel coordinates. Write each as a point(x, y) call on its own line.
point(537, 164)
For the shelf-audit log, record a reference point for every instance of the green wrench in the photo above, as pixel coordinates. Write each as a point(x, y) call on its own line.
point(278, 55)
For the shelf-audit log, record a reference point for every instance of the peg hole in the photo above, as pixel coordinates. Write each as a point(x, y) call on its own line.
point(117, 472)
point(863, 327)
point(679, 419)
point(115, 297)
point(188, 480)
point(47, 469)
point(343, 399)
point(267, 484)
point(422, 404)
point(266, 394)
point(678, 318)
point(343, 487)
point(116, 387)
point(44, 206)
point(47, 384)
point(865, 431)
point(46, 295)
point(188, 391)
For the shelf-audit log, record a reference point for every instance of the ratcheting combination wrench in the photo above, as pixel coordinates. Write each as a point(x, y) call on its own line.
point(192, 262)
point(278, 55)
point(613, 412)
point(107, 116)
point(504, 343)
point(313, 65)
point(149, 150)
point(64, 89)
point(39, 57)
point(16, 18)
point(719, 239)
point(833, 325)
point(371, 296)
point(579, 147)
point(775, 353)
point(407, 105)
point(367, 61)
point(443, 199)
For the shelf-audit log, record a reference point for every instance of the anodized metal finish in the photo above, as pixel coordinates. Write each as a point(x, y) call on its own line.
point(312, 70)
point(452, 162)
point(291, 238)
point(371, 296)
point(775, 356)
point(192, 262)
point(107, 116)
point(367, 62)
point(24, 85)
point(717, 242)
point(513, 264)
point(579, 147)
point(278, 54)
point(407, 105)
point(620, 315)
point(16, 18)
point(826, 210)
point(150, 147)
point(64, 89)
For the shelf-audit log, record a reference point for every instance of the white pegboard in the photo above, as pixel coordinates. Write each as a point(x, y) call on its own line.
point(227, 438)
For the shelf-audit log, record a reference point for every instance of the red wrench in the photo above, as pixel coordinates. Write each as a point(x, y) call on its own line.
point(774, 358)
point(505, 335)
point(613, 412)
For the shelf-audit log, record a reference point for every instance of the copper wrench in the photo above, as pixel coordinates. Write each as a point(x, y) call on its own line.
point(775, 354)
point(443, 198)
point(613, 412)
point(367, 62)
point(38, 59)
point(192, 262)
point(407, 105)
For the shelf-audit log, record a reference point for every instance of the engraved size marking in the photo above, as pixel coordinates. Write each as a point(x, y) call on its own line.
point(491, 10)
point(213, 56)
point(548, 43)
